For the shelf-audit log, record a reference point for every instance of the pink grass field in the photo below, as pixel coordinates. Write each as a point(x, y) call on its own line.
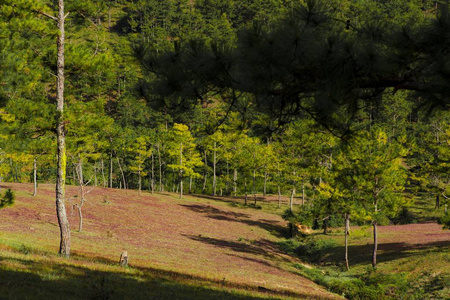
point(194, 237)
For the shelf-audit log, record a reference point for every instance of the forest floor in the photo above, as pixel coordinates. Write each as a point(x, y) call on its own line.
point(193, 248)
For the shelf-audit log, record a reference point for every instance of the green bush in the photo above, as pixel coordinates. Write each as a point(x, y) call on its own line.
point(7, 199)
point(404, 217)
point(445, 221)
point(315, 250)
point(289, 246)
point(370, 286)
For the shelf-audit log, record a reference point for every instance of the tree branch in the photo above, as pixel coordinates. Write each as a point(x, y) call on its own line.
point(47, 15)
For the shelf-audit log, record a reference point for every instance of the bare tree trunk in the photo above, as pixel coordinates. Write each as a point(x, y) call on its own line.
point(80, 217)
point(245, 190)
point(325, 225)
point(161, 187)
point(79, 171)
point(103, 173)
point(181, 171)
point(279, 196)
point(123, 175)
point(205, 175)
point(375, 244)
point(214, 170)
point(254, 185)
point(64, 246)
point(347, 227)
point(303, 193)
point(139, 180)
point(174, 182)
point(265, 183)
point(235, 175)
point(227, 183)
point(291, 200)
point(35, 176)
point(95, 174)
point(152, 186)
point(190, 184)
point(111, 169)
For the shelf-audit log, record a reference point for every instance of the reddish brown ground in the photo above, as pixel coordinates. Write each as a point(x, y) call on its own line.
point(394, 242)
point(196, 237)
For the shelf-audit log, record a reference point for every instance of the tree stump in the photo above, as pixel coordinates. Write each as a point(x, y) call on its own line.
point(124, 259)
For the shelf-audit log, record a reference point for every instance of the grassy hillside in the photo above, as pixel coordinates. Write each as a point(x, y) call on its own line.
point(207, 248)
point(179, 249)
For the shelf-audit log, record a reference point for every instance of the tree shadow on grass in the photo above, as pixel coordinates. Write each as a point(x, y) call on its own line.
point(214, 213)
point(60, 280)
point(262, 247)
point(362, 254)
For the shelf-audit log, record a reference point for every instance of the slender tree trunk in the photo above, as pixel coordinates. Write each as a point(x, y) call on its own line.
point(279, 196)
point(235, 175)
point(103, 173)
point(190, 184)
point(265, 183)
point(35, 176)
point(80, 217)
point(111, 169)
point(205, 175)
point(245, 190)
point(254, 185)
point(291, 200)
point(214, 170)
point(95, 174)
point(161, 186)
point(227, 184)
point(123, 175)
point(152, 186)
point(64, 246)
point(181, 171)
point(16, 173)
point(139, 181)
point(174, 182)
point(347, 227)
point(325, 225)
point(375, 244)
point(79, 168)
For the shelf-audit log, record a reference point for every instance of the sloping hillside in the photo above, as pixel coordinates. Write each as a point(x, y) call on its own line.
point(197, 246)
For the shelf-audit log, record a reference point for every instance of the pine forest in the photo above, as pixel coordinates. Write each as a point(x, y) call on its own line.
point(224, 149)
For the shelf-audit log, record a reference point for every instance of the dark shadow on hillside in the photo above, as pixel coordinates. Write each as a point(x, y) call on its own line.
point(362, 254)
point(214, 213)
point(63, 281)
point(226, 199)
point(262, 247)
point(255, 260)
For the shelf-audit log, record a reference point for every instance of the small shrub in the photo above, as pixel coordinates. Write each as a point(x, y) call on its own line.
point(315, 250)
point(404, 217)
point(7, 199)
point(289, 246)
point(445, 221)
point(370, 286)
